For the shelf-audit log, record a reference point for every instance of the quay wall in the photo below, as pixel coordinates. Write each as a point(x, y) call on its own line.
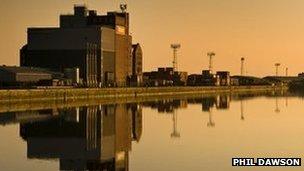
point(72, 94)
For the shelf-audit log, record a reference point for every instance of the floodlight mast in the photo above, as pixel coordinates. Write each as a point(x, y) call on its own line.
point(175, 47)
point(242, 66)
point(277, 65)
point(211, 55)
point(286, 72)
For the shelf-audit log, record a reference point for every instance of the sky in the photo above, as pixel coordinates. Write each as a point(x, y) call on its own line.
point(263, 31)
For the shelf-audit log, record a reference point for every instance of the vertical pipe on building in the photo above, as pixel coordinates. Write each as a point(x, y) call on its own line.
point(87, 64)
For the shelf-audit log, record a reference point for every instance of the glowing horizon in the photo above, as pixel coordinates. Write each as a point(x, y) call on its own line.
point(264, 33)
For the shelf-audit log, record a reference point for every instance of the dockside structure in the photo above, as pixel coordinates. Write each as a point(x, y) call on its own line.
point(165, 77)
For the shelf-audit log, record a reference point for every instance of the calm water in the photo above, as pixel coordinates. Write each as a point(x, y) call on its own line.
point(162, 135)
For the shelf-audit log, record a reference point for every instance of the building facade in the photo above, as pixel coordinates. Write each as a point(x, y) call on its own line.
point(99, 45)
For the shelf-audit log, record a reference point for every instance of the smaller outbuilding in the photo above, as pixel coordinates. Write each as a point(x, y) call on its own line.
point(20, 76)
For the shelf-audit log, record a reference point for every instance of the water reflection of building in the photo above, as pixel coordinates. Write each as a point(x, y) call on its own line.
point(136, 111)
point(169, 106)
point(208, 103)
point(220, 102)
point(166, 106)
point(26, 116)
point(86, 138)
point(223, 102)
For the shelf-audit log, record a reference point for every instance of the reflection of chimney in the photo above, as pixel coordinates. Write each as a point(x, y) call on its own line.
point(242, 110)
point(210, 123)
point(277, 109)
point(175, 133)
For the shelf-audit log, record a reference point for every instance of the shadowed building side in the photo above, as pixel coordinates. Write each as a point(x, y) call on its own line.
point(137, 68)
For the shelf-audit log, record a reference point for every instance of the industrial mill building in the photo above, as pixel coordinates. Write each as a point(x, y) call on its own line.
point(98, 45)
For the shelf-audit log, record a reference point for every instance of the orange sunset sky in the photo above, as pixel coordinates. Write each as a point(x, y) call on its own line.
point(263, 31)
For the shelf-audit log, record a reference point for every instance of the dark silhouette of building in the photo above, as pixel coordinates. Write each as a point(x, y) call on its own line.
point(208, 103)
point(205, 79)
point(165, 77)
point(223, 102)
point(248, 80)
point(99, 45)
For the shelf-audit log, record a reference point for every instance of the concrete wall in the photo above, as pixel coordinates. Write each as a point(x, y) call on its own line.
point(74, 94)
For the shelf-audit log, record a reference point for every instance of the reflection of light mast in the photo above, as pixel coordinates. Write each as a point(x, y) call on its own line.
point(211, 55)
point(175, 47)
point(210, 123)
point(175, 134)
point(242, 110)
point(277, 110)
point(286, 101)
